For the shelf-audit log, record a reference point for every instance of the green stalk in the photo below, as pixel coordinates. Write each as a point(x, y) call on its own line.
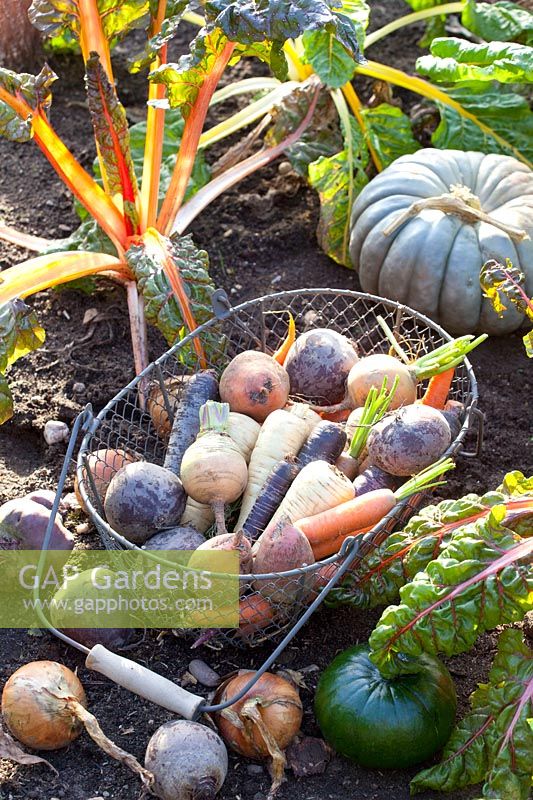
point(409, 19)
point(344, 115)
point(446, 357)
point(214, 417)
point(375, 407)
point(392, 339)
point(425, 479)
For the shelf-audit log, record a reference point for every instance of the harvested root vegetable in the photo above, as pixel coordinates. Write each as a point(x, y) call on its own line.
point(408, 440)
point(282, 434)
point(454, 414)
point(213, 469)
point(225, 543)
point(373, 478)
point(23, 524)
point(318, 364)
point(270, 496)
point(102, 465)
point(45, 497)
point(317, 487)
point(255, 614)
point(197, 515)
point(254, 384)
point(305, 412)
point(347, 465)
point(263, 723)
point(175, 388)
point(189, 761)
point(283, 547)
point(141, 499)
point(43, 705)
point(177, 538)
point(325, 443)
point(200, 388)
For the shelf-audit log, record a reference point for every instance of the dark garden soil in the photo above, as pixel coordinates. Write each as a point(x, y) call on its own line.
point(260, 238)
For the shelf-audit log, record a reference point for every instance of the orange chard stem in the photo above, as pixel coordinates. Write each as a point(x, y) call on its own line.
point(189, 144)
point(80, 183)
point(281, 353)
point(155, 129)
point(152, 238)
point(92, 37)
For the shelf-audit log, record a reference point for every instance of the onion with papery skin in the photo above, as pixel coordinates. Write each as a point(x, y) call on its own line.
point(43, 705)
point(33, 708)
point(264, 722)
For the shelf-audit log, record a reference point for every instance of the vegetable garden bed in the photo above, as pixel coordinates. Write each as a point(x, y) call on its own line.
point(261, 239)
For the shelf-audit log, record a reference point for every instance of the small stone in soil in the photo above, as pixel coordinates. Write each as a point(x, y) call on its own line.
point(285, 167)
point(204, 674)
point(55, 431)
point(254, 769)
point(78, 388)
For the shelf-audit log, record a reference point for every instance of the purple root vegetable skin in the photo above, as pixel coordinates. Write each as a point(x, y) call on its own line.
point(408, 440)
point(23, 526)
point(177, 538)
point(375, 478)
point(318, 364)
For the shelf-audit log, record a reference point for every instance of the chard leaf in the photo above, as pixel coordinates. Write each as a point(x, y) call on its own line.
point(33, 90)
point(323, 137)
point(421, 5)
point(58, 17)
point(333, 64)
point(515, 484)
point(390, 133)
point(502, 21)
point(482, 579)
point(249, 21)
point(338, 179)
point(453, 60)
point(494, 741)
point(504, 113)
point(501, 283)
point(112, 135)
point(168, 30)
point(20, 333)
point(161, 305)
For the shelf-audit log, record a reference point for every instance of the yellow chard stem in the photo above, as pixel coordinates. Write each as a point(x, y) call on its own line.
point(356, 106)
point(409, 19)
point(374, 69)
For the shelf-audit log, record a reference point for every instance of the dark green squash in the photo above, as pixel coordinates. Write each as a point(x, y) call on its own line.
point(380, 723)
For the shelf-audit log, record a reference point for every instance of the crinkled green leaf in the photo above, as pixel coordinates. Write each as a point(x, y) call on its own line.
point(515, 484)
point(34, 90)
point(54, 17)
point(161, 306)
point(390, 132)
point(420, 5)
point(502, 21)
point(249, 21)
point(504, 112)
point(154, 44)
point(173, 132)
point(482, 579)
point(338, 179)
point(528, 343)
point(112, 135)
point(333, 64)
point(501, 283)
point(494, 741)
point(88, 236)
point(323, 137)
point(454, 60)
point(20, 333)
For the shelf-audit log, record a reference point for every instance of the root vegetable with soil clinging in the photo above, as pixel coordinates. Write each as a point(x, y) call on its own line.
point(254, 384)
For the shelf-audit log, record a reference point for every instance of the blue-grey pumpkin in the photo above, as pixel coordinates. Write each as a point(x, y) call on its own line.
point(431, 259)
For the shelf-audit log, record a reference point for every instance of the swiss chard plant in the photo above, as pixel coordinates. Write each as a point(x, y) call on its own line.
point(502, 283)
point(150, 182)
point(460, 568)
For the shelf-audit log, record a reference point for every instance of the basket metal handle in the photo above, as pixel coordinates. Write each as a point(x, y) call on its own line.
point(477, 424)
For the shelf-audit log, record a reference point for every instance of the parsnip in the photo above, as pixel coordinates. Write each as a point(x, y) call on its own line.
point(305, 412)
point(282, 434)
point(318, 487)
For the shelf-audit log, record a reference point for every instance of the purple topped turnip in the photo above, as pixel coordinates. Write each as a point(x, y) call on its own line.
point(23, 524)
point(318, 364)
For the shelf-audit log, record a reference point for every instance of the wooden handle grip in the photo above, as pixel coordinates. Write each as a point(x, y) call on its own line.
point(144, 682)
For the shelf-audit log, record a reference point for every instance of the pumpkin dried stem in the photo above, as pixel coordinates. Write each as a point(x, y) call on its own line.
point(452, 203)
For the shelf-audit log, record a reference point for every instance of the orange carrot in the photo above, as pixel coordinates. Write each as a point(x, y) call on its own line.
point(326, 530)
point(335, 416)
point(255, 614)
point(333, 545)
point(281, 353)
point(438, 389)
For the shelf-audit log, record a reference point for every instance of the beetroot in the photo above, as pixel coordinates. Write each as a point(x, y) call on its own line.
point(283, 547)
point(318, 364)
point(177, 538)
point(23, 524)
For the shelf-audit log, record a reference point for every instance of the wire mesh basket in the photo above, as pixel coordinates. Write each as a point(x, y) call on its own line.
point(140, 428)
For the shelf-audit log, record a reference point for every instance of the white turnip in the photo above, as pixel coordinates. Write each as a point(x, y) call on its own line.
point(318, 364)
point(189, 761)
point(141, 499)
point(255, 384)
point(408, 440)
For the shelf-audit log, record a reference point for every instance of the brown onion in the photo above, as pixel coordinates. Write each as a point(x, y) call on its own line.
point(262, 723)
point(34, 707)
